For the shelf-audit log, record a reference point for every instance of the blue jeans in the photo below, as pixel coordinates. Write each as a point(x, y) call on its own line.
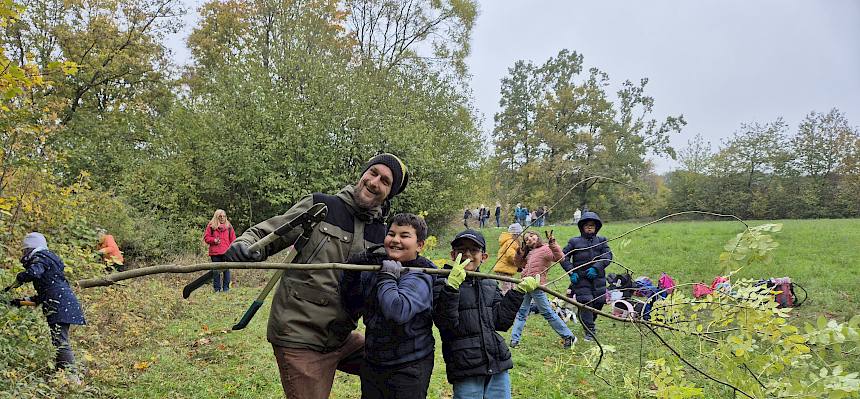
point(496, 386)
point(217, 283)
point(542, 303)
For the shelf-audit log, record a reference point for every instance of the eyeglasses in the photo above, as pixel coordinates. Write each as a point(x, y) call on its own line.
point(469, 251)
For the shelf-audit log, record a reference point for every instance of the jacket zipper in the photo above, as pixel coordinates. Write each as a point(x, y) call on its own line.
point(477, 284)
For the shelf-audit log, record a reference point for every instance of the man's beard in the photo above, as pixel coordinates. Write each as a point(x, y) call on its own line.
point(363, 202)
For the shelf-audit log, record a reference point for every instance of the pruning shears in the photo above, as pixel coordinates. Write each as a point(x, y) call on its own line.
point(306, 221)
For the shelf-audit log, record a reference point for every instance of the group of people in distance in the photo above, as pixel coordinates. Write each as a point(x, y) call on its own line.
point(314, 314)
point(482, 214)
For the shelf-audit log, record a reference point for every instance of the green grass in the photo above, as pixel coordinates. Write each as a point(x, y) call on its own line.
point(191, 353)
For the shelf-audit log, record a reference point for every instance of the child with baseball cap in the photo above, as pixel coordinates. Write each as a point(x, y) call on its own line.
point(469, 312)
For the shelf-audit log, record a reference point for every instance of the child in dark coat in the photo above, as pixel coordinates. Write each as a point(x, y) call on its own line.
point(587, 258)
point(468, 313)
point(61, 308)
point(396, 306)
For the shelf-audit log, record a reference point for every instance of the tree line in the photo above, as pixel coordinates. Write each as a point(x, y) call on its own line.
point(560, 124)
point(769, 170)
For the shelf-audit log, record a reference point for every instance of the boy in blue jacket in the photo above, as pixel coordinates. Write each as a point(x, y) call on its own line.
point(396, 306)
point(469, 311)
point(61, 308)
point(586, 259)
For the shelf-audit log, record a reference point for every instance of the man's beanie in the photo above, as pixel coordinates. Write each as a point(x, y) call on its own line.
point(398, 171)
point(35, 240)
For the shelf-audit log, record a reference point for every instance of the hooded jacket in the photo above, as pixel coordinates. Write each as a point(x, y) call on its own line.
point(307, 312)
point(585, 249)
point(45, 270)
point(508, 246)
point(468, 319)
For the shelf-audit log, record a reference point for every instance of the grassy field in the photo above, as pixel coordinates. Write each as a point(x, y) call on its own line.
point(144, 341)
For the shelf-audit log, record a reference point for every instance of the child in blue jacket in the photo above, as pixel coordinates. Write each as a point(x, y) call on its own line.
point(586, 259)
point(61, 308)
point(396, 306)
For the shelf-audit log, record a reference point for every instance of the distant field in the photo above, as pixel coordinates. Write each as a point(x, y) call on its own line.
point(182, 349)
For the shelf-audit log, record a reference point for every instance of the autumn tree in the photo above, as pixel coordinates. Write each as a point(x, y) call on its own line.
point(557, 127)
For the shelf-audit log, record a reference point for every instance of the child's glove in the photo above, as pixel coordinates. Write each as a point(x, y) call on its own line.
point(458, 272)
point(574, 278)
point(591, 273)
point(391, 268)
point(528, 284)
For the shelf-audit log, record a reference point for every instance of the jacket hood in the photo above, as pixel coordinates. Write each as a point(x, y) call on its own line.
point(590, 216)
point(377, 213)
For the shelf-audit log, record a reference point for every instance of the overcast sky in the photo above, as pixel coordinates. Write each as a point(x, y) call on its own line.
point(720, 63)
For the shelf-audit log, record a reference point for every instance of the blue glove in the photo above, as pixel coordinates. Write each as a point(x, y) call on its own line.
point(574, 278)
point(591, 273)
point(392, 268)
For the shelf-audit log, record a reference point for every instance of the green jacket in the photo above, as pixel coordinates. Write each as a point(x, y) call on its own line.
point(307, 312)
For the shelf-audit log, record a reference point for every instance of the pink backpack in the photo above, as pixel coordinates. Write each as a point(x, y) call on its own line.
point(666, 283)
point(700, 290)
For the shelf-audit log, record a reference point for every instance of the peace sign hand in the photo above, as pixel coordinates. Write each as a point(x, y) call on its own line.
point(549, 236)
point(458, 272)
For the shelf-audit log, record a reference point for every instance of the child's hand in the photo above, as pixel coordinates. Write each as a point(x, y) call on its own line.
point(549, 237)
point(392, 268)
point(458, 272)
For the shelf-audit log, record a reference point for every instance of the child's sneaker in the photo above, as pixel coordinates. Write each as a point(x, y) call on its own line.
point(569, 341)
point(514, 344)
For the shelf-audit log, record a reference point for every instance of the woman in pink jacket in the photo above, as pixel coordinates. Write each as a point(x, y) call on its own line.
point(219, 235)
point(535, 258)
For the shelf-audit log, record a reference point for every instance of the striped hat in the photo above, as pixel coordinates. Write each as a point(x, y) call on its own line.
point(398, 171)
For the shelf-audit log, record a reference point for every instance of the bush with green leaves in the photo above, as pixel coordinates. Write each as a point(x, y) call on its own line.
point(745, 343)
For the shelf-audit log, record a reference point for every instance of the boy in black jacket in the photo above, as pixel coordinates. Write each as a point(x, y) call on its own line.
point(468, 313)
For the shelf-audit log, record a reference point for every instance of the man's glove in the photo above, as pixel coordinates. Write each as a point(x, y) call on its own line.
point(527, 285)
point(239, 252)
point(591, 273)
point(458, 272)
point(574, 278)
point(392, 268)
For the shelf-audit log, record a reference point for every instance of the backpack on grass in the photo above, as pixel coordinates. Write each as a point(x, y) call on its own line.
point(784, 294)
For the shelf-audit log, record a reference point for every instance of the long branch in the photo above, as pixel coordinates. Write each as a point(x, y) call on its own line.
point(114, 278)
